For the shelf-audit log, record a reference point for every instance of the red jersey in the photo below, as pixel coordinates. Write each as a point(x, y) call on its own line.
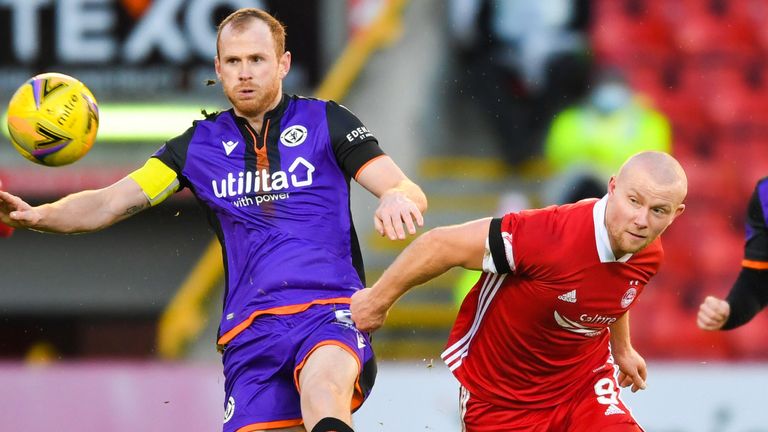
point(535, 325)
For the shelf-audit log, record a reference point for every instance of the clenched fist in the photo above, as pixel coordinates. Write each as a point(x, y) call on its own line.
point(713, 313)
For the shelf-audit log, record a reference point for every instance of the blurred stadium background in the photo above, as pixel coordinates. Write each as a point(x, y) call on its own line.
point(115, 330)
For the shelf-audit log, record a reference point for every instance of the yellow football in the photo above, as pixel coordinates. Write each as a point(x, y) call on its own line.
point(53, 119)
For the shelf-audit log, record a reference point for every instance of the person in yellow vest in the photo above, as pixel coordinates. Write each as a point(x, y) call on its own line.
point(587, 143)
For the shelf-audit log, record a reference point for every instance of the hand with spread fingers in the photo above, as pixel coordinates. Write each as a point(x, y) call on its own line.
point(397, 214)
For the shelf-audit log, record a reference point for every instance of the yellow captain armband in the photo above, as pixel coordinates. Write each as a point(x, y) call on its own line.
point(157, 180)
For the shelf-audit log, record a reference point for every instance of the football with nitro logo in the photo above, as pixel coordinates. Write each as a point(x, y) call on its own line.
point(53, 119)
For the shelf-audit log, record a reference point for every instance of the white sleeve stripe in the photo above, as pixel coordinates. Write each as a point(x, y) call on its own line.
point(483, 294)
point(488, 264)
point(455, 353)
point(507, 237)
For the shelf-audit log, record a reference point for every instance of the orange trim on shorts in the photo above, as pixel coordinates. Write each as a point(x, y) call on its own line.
point(280, 310)
point(757, 265)
point(357, 395)
point(271, 425)
point(366, 164)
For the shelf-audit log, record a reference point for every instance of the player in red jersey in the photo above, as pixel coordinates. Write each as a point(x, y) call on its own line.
point(748, 295)
point(537, 339)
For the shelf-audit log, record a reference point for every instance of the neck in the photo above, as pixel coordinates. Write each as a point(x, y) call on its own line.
point(257, 120)
point(254, 121)
point(617, 253)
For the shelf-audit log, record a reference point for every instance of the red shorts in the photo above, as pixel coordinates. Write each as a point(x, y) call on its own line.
point(594, 407)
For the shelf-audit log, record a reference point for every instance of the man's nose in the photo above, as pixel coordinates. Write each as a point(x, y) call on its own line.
point(244, 73)
point(641, 218)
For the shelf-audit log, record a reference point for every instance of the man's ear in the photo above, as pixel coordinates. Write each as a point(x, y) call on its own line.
point(217, 67)
point(285, 64)
point(679, 210)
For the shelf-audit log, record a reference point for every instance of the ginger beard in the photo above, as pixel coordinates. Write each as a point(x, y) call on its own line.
point(251, 100)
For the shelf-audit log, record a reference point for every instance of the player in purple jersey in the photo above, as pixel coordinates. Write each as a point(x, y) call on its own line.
point(273, 174)
point(749, 294)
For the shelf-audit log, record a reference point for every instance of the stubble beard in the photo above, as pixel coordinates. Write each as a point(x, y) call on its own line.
point(258, 105)
point(635, 246)
point(623, 240)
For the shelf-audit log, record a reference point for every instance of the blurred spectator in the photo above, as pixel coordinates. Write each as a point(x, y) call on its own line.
point(588, 142)
point(523, 60)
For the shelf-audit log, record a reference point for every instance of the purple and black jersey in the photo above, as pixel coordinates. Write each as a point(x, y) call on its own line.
point(756, 248)
point(278, 200)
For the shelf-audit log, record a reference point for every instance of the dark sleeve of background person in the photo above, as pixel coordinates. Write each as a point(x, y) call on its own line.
point(749, 294)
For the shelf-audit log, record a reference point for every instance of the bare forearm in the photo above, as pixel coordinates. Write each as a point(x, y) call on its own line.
point(620, 340)
point(430, 255)
point(84, 211)
point(80, 212)
point(424, 259)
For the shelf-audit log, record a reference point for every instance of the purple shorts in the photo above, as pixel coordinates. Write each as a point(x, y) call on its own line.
point(262, 365)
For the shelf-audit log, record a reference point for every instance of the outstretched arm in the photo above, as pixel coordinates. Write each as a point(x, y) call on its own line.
point(429, 256)
point(84, 211)
point(632, 369)
point(401, 201)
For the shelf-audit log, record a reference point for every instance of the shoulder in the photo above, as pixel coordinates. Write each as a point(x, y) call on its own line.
point(567, 115)
point(557, 224)
point(561, 214)
point(762, 186)
point(560, 227)
point(337, 109)
point(213, 124)
point(298, 101)
point(759, 198)
point(200, 129)
point(652, 255)
point(308, 107)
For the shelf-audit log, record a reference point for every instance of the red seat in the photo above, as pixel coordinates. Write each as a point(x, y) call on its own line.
point(681, 99)
point(747, 157)
point(703, 29)
point(726, 95)
point(752, 13)
point(629, 31)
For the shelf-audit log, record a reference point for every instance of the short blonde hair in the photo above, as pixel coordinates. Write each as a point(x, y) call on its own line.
point(241, 17)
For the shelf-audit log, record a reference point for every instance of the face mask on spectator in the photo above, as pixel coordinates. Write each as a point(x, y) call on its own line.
point(609, 97)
